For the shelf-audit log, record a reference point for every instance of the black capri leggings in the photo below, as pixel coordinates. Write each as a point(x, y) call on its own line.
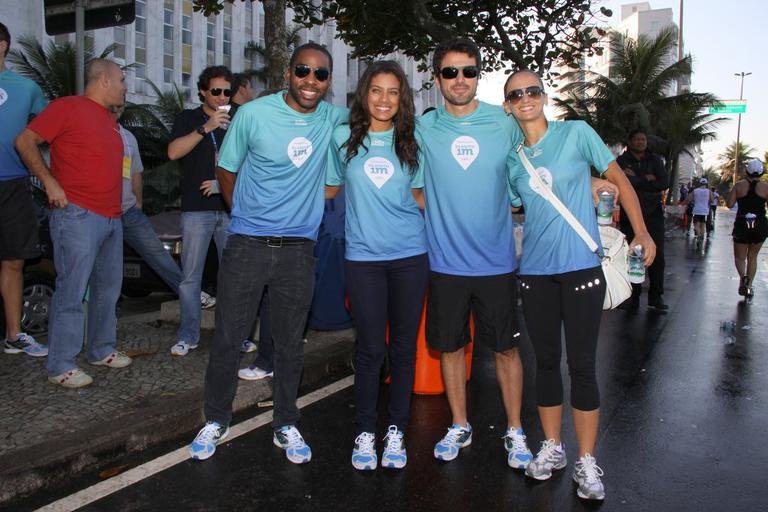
point(573, 300)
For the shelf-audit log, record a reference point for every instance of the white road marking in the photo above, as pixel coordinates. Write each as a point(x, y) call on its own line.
point(130, 477)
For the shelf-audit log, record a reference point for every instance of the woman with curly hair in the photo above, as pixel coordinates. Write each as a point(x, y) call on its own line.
point(375, 158)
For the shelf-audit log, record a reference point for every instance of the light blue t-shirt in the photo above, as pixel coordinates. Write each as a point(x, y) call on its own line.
point(280, 156)
point(464, 163)
point(19, 99)
point(383, 221)
point(562, 158)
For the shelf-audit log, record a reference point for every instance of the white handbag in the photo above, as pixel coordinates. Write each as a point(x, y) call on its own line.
point(614, 243)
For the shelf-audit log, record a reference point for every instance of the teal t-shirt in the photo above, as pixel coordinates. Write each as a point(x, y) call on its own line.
point(20, 98)
point(562, 158)
point(280, 156)
point(464, 165)
point(383, 221)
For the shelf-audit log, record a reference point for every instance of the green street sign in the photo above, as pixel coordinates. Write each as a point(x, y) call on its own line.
point(729, 107)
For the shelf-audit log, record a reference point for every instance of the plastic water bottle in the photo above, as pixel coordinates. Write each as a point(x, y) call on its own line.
point(635, 265)
point(729, 330)
point(605, 208)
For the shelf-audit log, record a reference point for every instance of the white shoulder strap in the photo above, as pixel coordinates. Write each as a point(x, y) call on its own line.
point(555, 201)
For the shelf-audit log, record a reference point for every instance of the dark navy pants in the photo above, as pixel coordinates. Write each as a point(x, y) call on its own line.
point(385, 293)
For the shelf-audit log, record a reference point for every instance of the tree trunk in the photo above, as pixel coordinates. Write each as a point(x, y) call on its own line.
point(674, 178)
point(275, 43)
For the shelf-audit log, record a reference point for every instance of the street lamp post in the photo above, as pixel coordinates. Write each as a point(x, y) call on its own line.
point(738, 129)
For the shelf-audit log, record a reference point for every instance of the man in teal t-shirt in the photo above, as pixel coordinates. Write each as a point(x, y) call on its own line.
point(463, 156)
point(271, 170)
point(20, 100)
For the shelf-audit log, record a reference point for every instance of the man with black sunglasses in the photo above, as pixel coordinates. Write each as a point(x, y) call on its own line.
point(272, 171)
point(463, 154)
point(196, 138)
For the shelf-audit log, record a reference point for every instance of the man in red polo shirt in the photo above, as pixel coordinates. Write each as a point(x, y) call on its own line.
point(83, 186)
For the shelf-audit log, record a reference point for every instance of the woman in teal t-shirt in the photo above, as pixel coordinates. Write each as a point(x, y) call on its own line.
point(561, 279)
point(375, 158)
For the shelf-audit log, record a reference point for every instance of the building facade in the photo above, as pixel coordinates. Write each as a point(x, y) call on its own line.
point(169, 43)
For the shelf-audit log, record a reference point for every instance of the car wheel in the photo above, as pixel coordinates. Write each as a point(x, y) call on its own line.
point(37, 295)
point(134, 293)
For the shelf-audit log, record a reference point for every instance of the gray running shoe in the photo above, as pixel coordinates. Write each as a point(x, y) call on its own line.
point(550, 456)
point(587, 474)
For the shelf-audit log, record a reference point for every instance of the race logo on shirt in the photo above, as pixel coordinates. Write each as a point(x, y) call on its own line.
point(378, 142)
point(3, 96)
point(545, 176)
point(299, 150)
point(379, 170)
point(465, 150)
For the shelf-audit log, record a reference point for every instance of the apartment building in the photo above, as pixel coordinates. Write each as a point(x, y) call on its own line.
point(170, 43)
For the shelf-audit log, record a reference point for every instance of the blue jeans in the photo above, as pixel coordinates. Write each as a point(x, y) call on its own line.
point(88, 252)
point(247, 267)
point(139, 234)
point(197, 228)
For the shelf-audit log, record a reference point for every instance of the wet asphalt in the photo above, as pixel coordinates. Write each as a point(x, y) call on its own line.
point(683, 419)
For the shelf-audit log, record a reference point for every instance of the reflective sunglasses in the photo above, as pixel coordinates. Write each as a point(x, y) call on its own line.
point(302, 71)
point(516, 95)
point(217, 92)
point(451, 72)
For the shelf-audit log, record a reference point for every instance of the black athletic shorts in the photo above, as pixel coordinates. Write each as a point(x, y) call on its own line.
point(18, 221)
point(492, 300)
point(700, 218)
point(743, 234)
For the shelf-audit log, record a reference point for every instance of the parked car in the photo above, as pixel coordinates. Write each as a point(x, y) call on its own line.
point(138, 279)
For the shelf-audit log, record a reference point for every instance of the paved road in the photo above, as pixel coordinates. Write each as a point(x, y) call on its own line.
point(683, 420)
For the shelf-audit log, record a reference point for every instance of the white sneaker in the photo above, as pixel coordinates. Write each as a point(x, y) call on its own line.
point(206, 301)
point(182, 348)
point(394, 455)
point(587, 474)
point(518, 454)
point(364, 452)
point(253, 372)
point(289, 439)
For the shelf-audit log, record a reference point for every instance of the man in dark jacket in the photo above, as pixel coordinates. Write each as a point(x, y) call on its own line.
point(647, 174)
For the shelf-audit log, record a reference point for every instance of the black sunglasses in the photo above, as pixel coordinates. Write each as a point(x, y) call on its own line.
point(217, 92)
point(516, 95)
point(451, 72)
point(302, 71)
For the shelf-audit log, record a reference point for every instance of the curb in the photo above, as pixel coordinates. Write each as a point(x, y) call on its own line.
point(97, 445)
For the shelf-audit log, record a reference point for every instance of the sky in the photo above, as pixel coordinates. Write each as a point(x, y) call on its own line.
point(723, 38)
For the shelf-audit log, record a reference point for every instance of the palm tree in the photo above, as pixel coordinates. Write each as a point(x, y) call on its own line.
point(728, 160)
point(52, 67)
point(151, 123)
point(638, 94)
point(684, 125)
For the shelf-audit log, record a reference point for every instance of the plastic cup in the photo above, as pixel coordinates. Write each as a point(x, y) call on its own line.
point(225, 108)
point(605, 208)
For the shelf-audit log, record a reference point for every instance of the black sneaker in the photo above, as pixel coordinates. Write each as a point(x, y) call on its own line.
point(744, 286)
point(658, 304)
point(631, 304)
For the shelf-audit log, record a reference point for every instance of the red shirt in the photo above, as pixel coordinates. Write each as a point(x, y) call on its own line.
point(86, 152)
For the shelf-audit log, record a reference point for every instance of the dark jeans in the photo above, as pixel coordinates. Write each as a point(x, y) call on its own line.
point(248, 265)
point(265, 357)
point(655, 225)
point(382, 292)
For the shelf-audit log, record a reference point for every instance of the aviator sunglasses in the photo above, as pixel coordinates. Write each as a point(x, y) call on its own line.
point(451, 72)
point(516, 95)
point(217, 92)
point(302, 71)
